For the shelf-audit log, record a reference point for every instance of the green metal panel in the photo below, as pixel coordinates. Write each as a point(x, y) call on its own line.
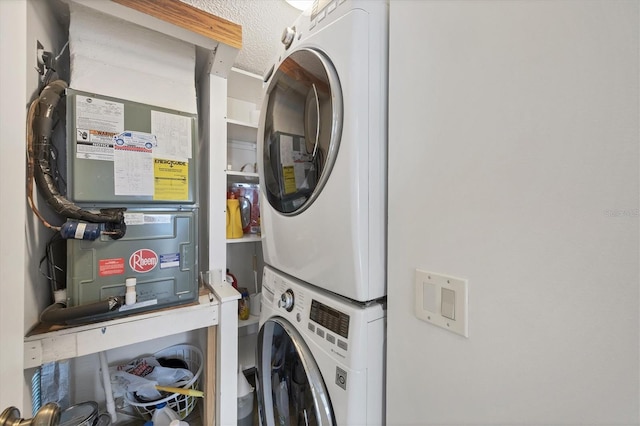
point(98, 269)
point(91, 181)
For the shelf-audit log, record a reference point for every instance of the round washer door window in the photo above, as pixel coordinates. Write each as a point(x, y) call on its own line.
point(300, 131)
point(290, 387)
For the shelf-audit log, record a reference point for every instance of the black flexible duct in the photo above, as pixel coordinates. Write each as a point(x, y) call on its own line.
point(42, 127)
point(59, 314)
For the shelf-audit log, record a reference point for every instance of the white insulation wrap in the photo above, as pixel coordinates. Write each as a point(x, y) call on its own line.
point(115, 58)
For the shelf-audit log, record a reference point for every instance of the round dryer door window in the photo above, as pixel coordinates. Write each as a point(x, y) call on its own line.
point(300, 130)
point(291, 390)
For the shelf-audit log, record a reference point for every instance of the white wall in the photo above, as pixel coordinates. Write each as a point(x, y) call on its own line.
point(513, 162)
point(42, 26)
point(13, 41)
point(22, 286)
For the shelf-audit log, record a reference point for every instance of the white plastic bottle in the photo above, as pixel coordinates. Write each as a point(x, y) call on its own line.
point(130, 295)
point(163, 416)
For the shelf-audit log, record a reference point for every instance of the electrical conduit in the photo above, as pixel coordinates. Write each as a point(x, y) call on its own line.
point(106, 381)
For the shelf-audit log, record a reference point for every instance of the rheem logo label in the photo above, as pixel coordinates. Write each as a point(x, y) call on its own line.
point(143, 260)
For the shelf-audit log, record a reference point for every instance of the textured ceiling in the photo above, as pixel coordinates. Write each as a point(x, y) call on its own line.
point(262, 24)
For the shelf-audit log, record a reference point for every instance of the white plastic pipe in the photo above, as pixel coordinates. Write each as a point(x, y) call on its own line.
point(106, 381)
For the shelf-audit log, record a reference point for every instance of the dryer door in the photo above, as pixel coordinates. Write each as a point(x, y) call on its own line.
point(289, 384)
point(300, 129)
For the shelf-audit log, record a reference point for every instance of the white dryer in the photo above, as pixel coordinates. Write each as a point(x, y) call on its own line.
point(319, 357)
point(322, 148)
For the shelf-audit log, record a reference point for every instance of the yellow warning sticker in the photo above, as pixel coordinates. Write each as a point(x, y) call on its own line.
point(171, 180)
point(289, 176)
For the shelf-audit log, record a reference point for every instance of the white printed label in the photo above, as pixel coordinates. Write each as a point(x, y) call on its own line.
point(80, 231)
point(173, 133)
point(157, 218)
point(146, 219)
point(134, 219)
point(99, 114)
point(133, 171)
point(97, 121)
point(286, 150)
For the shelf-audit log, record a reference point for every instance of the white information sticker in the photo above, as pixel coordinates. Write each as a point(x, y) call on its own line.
point(132, 171)
point(173, 133)
point(99, 114)
point(146, 219)
point(97, 121)
point(157, 218)
point(286, 150)
point(94, 144)
point(134, 219)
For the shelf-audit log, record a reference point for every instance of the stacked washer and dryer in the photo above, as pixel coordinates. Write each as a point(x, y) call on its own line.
point(322, 161)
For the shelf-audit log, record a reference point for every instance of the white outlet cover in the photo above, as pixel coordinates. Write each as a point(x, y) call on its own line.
point(428, 301)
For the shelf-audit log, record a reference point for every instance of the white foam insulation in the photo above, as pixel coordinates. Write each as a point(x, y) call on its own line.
point(262, 24)
point(116, 58)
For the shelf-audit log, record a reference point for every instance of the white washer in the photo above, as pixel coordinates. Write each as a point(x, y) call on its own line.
point(319, 357)
point(322, 149)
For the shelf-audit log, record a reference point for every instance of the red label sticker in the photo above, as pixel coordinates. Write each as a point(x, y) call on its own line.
point(143, 260)
point(108, 267)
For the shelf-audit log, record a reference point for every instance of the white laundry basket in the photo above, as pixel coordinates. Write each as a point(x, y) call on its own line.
point(181, 404)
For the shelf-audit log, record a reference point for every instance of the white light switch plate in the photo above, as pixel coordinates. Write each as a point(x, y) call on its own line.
point(428, 301)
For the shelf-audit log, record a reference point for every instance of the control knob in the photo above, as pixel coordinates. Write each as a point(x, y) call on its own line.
point(286, 300)
point(287, 36)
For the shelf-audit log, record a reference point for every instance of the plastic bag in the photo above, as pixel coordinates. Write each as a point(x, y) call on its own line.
point(141, 376)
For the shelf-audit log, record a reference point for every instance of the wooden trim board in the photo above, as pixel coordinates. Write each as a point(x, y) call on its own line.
point(190, 18)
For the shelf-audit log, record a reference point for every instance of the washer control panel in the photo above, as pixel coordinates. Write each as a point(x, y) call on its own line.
point(325, 321)
point(329, 318)
point(287, 300)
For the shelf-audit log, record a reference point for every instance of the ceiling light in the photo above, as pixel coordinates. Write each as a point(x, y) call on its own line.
point(300, 4)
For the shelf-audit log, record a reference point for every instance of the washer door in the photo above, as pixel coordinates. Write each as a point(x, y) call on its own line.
point(300, 130)
point(289, 384)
